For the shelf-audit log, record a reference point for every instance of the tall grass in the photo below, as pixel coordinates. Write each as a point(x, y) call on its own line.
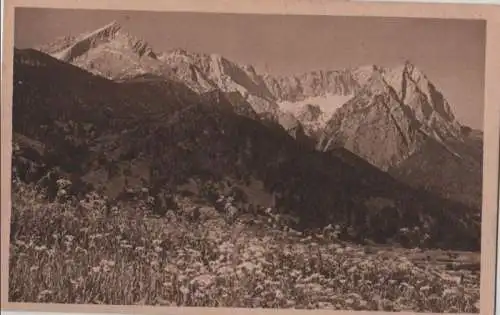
point(77, 252)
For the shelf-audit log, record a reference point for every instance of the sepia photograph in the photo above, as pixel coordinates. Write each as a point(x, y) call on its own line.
point(244, 160)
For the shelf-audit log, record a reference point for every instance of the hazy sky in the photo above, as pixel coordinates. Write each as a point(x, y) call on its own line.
point(450, 52)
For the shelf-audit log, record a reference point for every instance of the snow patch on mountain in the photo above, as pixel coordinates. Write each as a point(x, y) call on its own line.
point(314, 112)
point(327, 103)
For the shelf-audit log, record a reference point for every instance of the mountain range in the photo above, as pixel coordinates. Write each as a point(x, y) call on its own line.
point(371, 148)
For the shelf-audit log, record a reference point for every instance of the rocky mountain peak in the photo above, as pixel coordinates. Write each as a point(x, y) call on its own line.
point(111, 35)
point(363, 74)
point(401, 99)
point(111, 28)
point(409, 65)
point(109, 51)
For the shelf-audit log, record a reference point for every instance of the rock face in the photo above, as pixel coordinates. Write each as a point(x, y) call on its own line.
point(383, 115)
point(108, 51)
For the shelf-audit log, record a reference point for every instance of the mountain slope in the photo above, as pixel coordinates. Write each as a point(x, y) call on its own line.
point(370, 121)
point(391, 117)
point(410, 131)
point(457, 177)
point(161, 135)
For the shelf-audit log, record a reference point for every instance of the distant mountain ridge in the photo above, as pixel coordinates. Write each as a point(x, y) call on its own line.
point(121, 137)
point(383, 115)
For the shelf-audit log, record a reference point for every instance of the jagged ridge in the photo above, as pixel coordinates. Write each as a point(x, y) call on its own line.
point(384, 115)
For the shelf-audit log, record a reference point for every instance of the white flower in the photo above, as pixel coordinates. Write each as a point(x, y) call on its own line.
point(184, 290)
point(204, 280)
point(279, 294)
point(449, 291)
point(425, 288)
point(231, 211)
point(62, 183)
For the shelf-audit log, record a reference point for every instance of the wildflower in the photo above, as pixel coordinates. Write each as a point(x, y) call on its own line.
point(170, 215)
point(156, 242)
point(63, 183)
point(46, 292)
point(77, 281)
point(325, 305)
point(20, 243)
point(449, 291)
point(184, 290)
point(349, 301)
point(96, 236)
point(170, 268)
point(154, 263)
point(204, 280)
point(81, 250)
point(279, 294)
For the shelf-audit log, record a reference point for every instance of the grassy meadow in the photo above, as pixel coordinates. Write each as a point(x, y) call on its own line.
point(76, 251)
